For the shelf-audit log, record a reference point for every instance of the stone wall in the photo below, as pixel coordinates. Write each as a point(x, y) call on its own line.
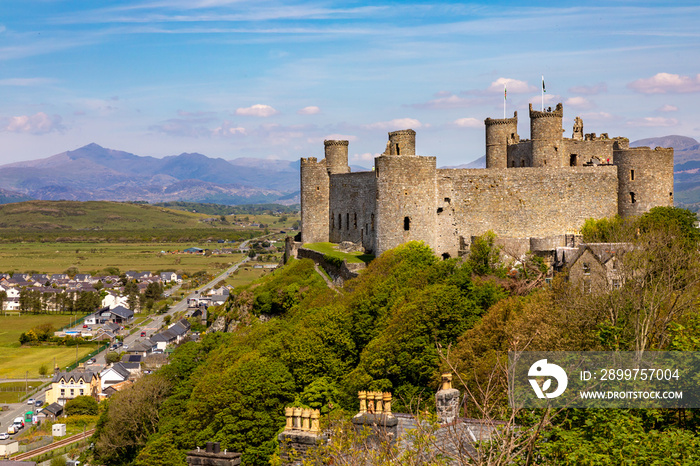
point(353, 208)
point(339, 274)
point(406, 194)
point(524, 203)
point(645, 179)
point(314, 200)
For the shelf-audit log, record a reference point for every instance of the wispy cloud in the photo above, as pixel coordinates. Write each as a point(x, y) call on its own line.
point(667, 83)
point(578, 102)
point(365, 157)
point(653, 122)
point(589, 90)
point(397, 124)
point(25, 82)
point(258, 110)
point(443, 102)
point(469, 123)
point(311, 110)
point(228, 129)
point(667, 108)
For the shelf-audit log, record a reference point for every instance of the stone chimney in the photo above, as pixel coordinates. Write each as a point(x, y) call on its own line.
point(447, 401)
point(213, 456)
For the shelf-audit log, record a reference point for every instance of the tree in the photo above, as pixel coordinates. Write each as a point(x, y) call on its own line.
point(81, 405)
point(131, 417)
point(112, 357)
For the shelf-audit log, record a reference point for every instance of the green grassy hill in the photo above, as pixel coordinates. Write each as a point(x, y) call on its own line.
point(95, 215)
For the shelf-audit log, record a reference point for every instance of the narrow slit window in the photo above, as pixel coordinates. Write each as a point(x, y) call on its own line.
point(340, 221)
point(355, 221)
point(631, 175)
point(372, 222)
point(633, 198)
point(406, 224)
point(347, 221)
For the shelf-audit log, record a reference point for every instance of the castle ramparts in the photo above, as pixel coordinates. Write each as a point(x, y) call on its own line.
point(533, 191)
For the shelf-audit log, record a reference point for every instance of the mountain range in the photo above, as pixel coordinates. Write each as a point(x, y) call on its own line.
point(93, 172)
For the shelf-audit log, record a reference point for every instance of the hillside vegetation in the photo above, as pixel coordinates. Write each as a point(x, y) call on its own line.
point(404, 320)
point(115, 221)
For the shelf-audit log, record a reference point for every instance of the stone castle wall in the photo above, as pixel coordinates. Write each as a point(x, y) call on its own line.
point(406, 193)
point(537, 190)
point(314, 200)
point(646, 179)
point(353, 208)
point(522, 203)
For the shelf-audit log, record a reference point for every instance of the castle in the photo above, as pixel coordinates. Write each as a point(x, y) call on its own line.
point(534, 194)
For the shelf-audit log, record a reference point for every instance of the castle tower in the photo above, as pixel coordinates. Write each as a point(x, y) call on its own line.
point(644, 177)
point(406, 193)
point(499, 133)
point(336, 156)
point(401, 143)
point(546, 136)
point(315, 187)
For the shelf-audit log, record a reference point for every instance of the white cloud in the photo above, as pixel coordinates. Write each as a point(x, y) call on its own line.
point(597, 116)
point(667, 108)
point(318, 140)
point(446, 101)
point(653, 122)
point(578, 102)
point(469, 123)
point(515, 86)
point(258, 110)
point(549, 99)
point(39, 123)
point(666, 83)
point(397, 124)
point(311, 110)
point(228, 129)
point(589, 90)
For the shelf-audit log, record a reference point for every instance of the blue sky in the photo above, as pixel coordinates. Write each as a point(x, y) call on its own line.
point(273, 79)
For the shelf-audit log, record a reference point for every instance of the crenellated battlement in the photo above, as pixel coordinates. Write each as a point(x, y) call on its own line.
point(311, 161)
point(333, 142)
point(558, 112)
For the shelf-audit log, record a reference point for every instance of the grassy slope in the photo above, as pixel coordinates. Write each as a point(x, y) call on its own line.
point(101, 215)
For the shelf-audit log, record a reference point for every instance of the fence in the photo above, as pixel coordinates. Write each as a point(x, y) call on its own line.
point(42, 442)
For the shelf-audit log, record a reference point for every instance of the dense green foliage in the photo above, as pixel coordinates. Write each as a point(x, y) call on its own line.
point(81, 405)
point(295, 341)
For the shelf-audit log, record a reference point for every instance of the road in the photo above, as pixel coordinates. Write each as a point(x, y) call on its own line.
point(18, 409)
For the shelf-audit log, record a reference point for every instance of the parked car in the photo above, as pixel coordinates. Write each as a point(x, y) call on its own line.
point(31, 401)
point(4, 435)
point(91, 361)
point(126, 346)
point(38, 403)
point(85, 326)
point(143, 334)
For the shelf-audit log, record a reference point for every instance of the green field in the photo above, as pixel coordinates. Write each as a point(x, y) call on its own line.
point(94, 257)
point(19, 361)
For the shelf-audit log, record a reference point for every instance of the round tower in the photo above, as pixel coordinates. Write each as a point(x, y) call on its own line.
point(402, 142)
point(499, 132)
point(644, 179)
point(336, 156)
point(546, 136)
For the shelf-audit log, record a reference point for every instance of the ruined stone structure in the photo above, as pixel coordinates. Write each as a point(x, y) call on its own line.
point(534, 194)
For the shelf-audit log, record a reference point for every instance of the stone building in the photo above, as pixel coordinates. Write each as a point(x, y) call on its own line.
point(534, 194)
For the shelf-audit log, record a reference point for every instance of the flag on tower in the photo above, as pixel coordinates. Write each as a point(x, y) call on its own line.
point(543, 88)
point(505, 93)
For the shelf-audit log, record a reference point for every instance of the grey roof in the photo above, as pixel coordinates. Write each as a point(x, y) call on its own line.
point(603, 252)
point(131, 365)
point(123, 312)
point(75, 375)
point(54, 408)
point(132, 358)
point(120, 369)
